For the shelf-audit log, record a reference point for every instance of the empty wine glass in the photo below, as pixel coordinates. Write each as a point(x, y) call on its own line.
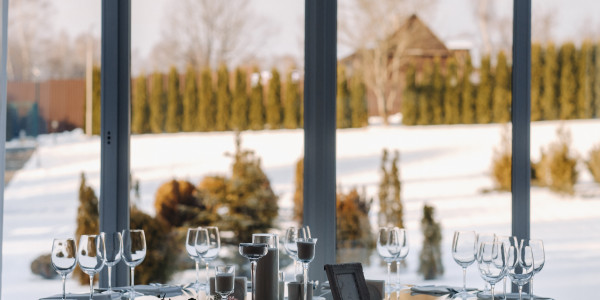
point(491, 260)
point(134, 252)
point(224, 280)
point(64, 259)
point(306, 253)
point(484, 237)
point(539, 258)
point(190, 247)
point(388, 247)
point(520, 265)
point(463, 252)
point(507, 241)
point(404, 248)
point(91, 256)
point(253, 252)
point(213, 248)
point(113, 243)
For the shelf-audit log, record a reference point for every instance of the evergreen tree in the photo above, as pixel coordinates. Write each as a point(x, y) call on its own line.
point(384, 190)
point(96, 104)
point(467, 94)
point(291, 116)
point(502, 94)
point(299, 191)
point(425, 89)
point(537, 80)
point(273, 106)
point(584, 72)
point(568, 82)
point(157, 103)
point(451, 94)
point(140, 112)
point(358, 102)
point(550, 106)
point(342, 107)
point(485, 92)
point(596, 81)
point(206, 102)
point(87, 219)
point(396, 212)
point(223, 99)
point(256, 116)
point(430, 259)
point(239, 107)
point(437, 93)
point(174, 105)
point(190, 100)
point(409, 103)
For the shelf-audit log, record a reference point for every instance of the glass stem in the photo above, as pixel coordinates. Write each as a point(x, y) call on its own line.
point(64, 278)
point(531, 289)
point(464, 279)
point(207, 284)
point(389, 277)
point(132, 282)
point(504, 290)
point(305, 281)
point(197, 275)
point(253, 278)
point(91, 287)
point(109, 282)
point(492, 290)
point(520, 292)
point(398, 273)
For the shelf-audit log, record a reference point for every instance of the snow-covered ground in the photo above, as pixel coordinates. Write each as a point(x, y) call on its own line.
point(444, 166)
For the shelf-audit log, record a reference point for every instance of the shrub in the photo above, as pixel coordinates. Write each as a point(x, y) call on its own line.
point(540, 174)
point(562, 164)
point(353, 230)
point(42, 266)
point(502, 163)
point(390, 201)
point(87, 221)
point(430, 259)
point(593, 163)
point(176, 203)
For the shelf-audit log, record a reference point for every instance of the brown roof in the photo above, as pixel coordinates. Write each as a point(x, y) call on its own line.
point(420, 40)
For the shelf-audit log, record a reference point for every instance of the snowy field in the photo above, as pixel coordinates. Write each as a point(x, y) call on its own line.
point(444, 166)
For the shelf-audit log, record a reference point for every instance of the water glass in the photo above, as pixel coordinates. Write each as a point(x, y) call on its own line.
point(64, 258)
point(91, 255)
point(463, 252)
point(224, 280)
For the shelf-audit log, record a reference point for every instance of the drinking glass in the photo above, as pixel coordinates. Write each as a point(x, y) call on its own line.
point(484, 237)
point(520, 265)
point(213, 245)
point(306, 253)
point(113, 243)
point(292, 234)
point(491, 260)
point(190, 247)
point(64, 258)
point(539, 258)
point(463, 252)
point(253, 252)
point(507, 241)
point(134, 252)
point(91, 255)
point(224, 280)
point(404, 248)
point(388, 247)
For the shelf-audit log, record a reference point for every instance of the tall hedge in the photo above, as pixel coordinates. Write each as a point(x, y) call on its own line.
point(537, 79)
point(174, 105)
point(96, 100)
point(584, 81)
point(291, 102)
point(239, 105)
point(485, 92)
point(425, 116)
point(437, 93)
point(409, 102)
point(206, 102)
point(190, 100)
point(273, 106)
point(596, 81)
point(452, 94)
point(550, 105)
point(568, 82)
point(502, 94)
point(140, 112)
point(157, 103)
point(223, 99)
point(342, 98)
point(358, 102)
point(256, 116)
point(467, 93)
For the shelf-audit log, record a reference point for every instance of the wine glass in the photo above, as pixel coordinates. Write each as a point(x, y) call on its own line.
point(404, 248)
point(388, 247)
point(134, 252)
point(491, 260)
point(64, 259)
point(292, 234)
point(507, 241)
point(213, 245)
point(484, 237)
point(113, 243)
point(190, 247)
point(463, 252)
point(306, 253)
point(253, 252)
point(520, 265)
point(539, 258)
point(224, 280)
point(91, 255)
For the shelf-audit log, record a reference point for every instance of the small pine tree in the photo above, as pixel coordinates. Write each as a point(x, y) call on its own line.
point(451, 94)
point(273, 106)
point(485, 92)
point(291, 103)
point(299, 191)
point(384, 189)
point(140, 109)
point(596, 81)
point(342, 95)
point(502, 163)
point(239, 107)
point(593, 163)
point(396, 212)
point(223, 99)
point(437, 93)
point(549, 101)
point(409, 101)
point(256, 112)
point(353, 228)
point(562, 164)
point(157, 103)
point(174, 105)
point(425, 89)
point(537, 80)
point(87, 220)
point(502, 95)
point(467, 94)
point(358, 102)
point(96, 100)
point(568, 82)
point(584, 76)
point(190, 100)
point(206, 102)
point(430, 259)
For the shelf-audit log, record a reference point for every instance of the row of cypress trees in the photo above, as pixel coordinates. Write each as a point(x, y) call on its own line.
point(565, 84)
point(224, 100)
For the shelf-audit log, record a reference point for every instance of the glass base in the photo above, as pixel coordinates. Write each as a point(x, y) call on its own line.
point(464, 295)
point(132, 295)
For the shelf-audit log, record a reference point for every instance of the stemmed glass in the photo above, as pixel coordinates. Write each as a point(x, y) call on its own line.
point(463, 252)
point(91, 255)
point(306, 253)
point(481, 238)
point(491, 260)
point(64, 258)
point(224, 280)
point(134, 252)
point(292, 234)
point(190, 247)
point(208, 249)
point(520, 265)
point(388, 247)
point(253, 252)
point(539, 258)
point(113, 243)
point(404, 248)
point(507, 241)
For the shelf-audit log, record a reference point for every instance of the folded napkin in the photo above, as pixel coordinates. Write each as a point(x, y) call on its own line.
point(158, 289)
point(85, 296)
point(509, 296)
point(437, 290)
